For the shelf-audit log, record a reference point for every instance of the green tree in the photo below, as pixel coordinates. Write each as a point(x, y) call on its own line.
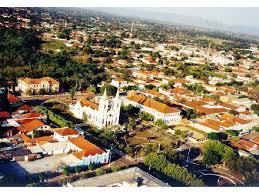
point(213, 136)
point(110, 89)
point(160, 123)
point(150, 86)
point(72, 93)
point(66, 171)
point(211, 157)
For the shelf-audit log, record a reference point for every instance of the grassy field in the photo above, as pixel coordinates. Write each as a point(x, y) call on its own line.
point(53, 45)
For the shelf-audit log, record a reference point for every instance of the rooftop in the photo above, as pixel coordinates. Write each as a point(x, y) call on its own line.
point(131, 177)
point(30, 126)
point(66, 131)
point(87, 147)
point(151, 103)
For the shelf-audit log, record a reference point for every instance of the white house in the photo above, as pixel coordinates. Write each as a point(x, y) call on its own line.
point(63, 134)
point(106, 113)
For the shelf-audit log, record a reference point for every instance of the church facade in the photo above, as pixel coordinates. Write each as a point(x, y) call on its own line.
point(106, 113)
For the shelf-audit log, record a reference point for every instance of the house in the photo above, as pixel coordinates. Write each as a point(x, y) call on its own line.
point(85, 153)
point(34, 85)
point(168, 114)
point(226, 121)
point(246, 146)
point(106, 113)
point(119, 83)
point(28, 127)
point(63, 134)
point(14, 101)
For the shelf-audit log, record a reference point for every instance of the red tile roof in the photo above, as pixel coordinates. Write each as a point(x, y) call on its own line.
point(88, 103)
point(25, 107)
point(30, 126)
point(66, 131)
point(245, 145)
point(13, 99)
point(27, 139)
point(31, 115)
point(87, 147)
point(4, 115)
point(151, 103)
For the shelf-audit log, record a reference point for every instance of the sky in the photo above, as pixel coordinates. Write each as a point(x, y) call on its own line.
point(237, 16)
point(235, 19)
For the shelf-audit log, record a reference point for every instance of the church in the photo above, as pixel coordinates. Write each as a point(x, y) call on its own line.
point(104, 113)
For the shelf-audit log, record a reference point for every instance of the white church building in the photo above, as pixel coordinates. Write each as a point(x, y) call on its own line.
point(105, 113)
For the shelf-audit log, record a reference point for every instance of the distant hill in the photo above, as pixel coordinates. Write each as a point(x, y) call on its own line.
point(167, 17)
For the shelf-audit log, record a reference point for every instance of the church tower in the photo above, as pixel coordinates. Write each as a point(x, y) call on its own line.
point(108, 110)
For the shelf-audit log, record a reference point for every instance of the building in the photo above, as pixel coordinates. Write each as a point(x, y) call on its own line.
point(85, 153)
point(159, 110)
point(34, 85)
point(131, 177)
point(106, 113)
point(119, 83)
point(64, 134)
point(32, 125)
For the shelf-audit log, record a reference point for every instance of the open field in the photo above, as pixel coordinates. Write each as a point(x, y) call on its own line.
point(53, 45)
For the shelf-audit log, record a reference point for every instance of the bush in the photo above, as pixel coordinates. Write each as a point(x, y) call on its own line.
point(100, 171)
point(78, 169)
point(256, 128)
point(217, 136)
point(244, 165)
point(66, 171)
point(150, 86)
point(146, 116)
point(160, 123)
point(91, 166)
point(232, 133)
point(110, 89)
point(115, 168)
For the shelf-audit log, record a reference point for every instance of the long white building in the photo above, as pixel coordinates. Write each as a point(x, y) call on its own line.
point(159, 110)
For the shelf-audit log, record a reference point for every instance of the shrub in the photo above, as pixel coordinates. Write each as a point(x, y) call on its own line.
point(100, 171)
point(90, 166)
point(66, 171)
